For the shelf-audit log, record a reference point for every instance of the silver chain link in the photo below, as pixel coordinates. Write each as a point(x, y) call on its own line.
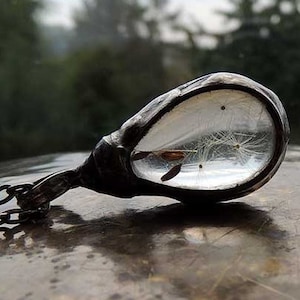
point(18, 215)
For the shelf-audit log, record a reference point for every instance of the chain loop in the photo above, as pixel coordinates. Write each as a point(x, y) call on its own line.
point(19, 189)
point(18, 215)
point(8, 197)
point(34, 198)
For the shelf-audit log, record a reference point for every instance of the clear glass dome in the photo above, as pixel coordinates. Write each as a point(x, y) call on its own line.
point(212, 141)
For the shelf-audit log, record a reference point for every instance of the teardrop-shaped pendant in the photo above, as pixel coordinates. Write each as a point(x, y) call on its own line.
point(218, 137)
point(221, 139)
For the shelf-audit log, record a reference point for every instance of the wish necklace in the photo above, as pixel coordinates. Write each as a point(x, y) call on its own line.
point(216, 138)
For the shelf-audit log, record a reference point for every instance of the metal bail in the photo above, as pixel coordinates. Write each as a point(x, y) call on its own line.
point(48, 189)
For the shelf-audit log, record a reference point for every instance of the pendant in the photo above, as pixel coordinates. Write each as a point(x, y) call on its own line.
point(216, 138)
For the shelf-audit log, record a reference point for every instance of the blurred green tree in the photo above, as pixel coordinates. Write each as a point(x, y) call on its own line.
point(284, 43)
point(108, 22)
point(246, 46)
point(118, 63)
point(264, 45)
point(33, 117)
point(116, 60)
point(18, 55)
point(54, 100)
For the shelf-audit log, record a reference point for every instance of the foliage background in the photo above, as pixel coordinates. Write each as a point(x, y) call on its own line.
point(61, 90)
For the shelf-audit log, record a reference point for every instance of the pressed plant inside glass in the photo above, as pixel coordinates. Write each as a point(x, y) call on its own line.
point(218, 137)
point(214, 140)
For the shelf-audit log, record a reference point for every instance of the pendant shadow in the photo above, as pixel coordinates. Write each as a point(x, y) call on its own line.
point(181, 245)
point(143, 224)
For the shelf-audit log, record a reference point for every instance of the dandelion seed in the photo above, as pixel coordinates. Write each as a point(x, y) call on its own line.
point(172, 155)
point(210, 149)
point(172, 173)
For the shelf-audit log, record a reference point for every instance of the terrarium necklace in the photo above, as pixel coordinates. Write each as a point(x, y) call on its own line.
point(218, 137)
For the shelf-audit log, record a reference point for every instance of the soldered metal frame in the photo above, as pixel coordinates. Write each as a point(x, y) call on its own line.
point(108, 169)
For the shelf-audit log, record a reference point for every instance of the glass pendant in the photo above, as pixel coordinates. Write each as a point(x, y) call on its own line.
point(215, 140)
point(218, 137)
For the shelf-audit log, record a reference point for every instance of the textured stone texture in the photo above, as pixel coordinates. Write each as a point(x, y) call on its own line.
point(94, 246)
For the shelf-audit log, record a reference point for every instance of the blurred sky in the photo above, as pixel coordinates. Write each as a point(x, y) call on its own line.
point(59, 12)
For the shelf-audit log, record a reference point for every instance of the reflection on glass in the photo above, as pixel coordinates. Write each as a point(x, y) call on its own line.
point(214, 140)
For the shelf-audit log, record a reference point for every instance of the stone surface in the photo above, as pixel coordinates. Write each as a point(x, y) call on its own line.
point(93, 246)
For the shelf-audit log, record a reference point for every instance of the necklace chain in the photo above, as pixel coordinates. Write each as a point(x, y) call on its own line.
point(19, 215)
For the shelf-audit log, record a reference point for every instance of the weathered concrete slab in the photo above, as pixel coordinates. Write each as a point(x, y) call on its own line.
point(94, 246)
